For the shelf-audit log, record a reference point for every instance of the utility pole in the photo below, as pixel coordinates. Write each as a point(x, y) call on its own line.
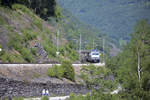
point(57, 43)
point(93, 43)
point(80, 47)
point(103, 50)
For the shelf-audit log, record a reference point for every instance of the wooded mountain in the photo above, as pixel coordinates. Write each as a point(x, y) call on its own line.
point(113, 17)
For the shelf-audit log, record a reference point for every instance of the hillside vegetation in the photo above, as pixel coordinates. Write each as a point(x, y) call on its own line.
point(26, 38)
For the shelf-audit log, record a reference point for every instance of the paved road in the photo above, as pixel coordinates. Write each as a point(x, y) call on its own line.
point(50, 98)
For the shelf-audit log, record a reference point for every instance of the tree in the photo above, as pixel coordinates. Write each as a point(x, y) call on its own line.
point(134, 64)
point(44, 8)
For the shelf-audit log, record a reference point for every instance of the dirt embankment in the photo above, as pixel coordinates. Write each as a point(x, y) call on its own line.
point(33, 73)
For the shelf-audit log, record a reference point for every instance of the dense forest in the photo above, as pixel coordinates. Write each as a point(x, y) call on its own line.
point(44, 8)
point(116, 18)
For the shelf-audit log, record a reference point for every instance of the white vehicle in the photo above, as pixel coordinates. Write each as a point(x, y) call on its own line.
point(94, 56)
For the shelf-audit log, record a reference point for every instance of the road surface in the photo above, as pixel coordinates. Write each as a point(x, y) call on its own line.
point(50, 98)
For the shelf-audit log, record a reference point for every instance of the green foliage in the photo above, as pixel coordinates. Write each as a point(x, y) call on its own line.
point(50, 49)
point(18, 98)
point(26, 55)
point(10, 28)
point(125, 65)
point(22, 8)
point(38, 23)
point(70, 53)
point(56, 71)
point(2, 20)
point(93, 75)
point(16, 42)
point(11, 58)
point(33, 51)
point(99, 95)
point(28, 35)
point(58, 12)
point(44, 8)
point(45, 98)
point(68, 70)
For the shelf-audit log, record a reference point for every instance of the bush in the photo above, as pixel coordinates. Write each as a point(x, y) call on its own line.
point(33, 51)
point(28, 35)
point(56, 71)
point(68, 70)
point(5, 58)
point(11, 58)
point(16, 42)
point(26, 55)
point(50, 49)
point(38, 23)
point(22, 8)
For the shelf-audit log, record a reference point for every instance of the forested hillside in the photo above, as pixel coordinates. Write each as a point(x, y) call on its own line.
point(116, 18)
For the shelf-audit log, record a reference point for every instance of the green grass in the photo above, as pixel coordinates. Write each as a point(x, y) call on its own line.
point(18, 98)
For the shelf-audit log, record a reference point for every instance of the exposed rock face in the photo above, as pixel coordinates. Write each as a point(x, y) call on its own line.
point(13, 88)
point(41, 52)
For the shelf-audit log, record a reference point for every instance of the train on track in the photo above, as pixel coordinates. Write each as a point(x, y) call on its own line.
point(92, 56)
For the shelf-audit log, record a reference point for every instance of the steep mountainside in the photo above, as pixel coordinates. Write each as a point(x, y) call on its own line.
point(26, 38)
point(113, 17)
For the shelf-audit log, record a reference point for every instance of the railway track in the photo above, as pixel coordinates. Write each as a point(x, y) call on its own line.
point(28, 65)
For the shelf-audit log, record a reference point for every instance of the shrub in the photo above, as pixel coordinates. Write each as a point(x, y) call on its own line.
point(68, 70)
point(23, 9)
point(10, 28)
point(49, 48)
point(33, 51)
point(11, 58)
point(5, 57)
point(28, 35)
point(38, 23)
point(56, 71)
point(26, 54)
point(15, 42)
